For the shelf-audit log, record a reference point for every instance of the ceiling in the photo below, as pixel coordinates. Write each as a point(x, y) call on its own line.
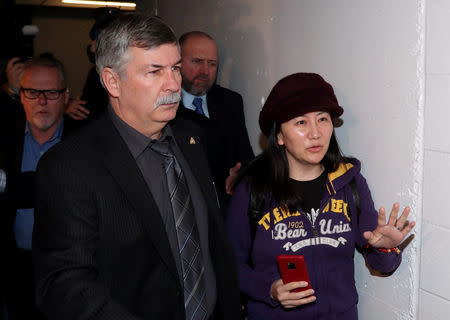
point(59, 3)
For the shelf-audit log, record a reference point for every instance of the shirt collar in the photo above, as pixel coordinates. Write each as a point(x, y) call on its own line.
point(57, 135)
point(136, 141)
point(188, 98)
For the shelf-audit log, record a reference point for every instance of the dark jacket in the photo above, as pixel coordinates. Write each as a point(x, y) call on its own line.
point(100, 245)
point(227, 137)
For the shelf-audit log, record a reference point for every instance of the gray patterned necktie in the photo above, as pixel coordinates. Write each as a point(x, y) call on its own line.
point(187, 234)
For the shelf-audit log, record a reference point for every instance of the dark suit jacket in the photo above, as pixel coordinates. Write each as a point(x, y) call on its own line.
point(228, 141)
point(100, 245)
point(12, 120)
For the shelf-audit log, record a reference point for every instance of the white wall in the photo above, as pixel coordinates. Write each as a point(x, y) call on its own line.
point(372, 53)
point(434, 294)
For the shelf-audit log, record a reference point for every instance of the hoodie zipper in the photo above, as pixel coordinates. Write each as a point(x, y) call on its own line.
point(309, 216)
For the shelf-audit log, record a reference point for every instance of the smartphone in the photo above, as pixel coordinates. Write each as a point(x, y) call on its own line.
point(293, 268)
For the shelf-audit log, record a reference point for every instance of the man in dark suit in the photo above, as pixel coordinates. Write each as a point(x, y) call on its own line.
point(23, 140)
point(127, 223)
point(219, 110)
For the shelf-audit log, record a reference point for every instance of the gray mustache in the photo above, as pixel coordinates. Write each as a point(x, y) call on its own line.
point(168, 99)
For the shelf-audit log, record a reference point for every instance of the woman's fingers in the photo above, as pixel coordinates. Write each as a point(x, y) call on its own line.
point(295, 285)
point(402, 221)
point(296, 303)
point(391, 234)
point(394, 214)
point(408, 227)
point(368, 235)
point(294, 299)
point(289, 299)
point(382, 216)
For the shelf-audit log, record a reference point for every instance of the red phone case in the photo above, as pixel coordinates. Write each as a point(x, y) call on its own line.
point(293, 268)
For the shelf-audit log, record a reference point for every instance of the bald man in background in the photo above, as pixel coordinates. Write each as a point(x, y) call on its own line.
point(219, 110)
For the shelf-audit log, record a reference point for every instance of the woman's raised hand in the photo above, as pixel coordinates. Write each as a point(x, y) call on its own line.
point(392, 233)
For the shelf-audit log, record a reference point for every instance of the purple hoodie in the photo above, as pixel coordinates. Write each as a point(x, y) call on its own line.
point(328, 254)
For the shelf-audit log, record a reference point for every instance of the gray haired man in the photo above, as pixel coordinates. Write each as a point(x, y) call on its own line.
point(43, 96)
point(127, 223)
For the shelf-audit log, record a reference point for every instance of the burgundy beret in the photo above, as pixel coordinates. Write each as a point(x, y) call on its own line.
point(297, 94)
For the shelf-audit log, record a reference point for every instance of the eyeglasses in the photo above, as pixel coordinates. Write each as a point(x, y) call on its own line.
point(48, 94)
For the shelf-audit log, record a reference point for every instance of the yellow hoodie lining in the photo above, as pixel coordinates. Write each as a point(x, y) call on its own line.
point(343, 168)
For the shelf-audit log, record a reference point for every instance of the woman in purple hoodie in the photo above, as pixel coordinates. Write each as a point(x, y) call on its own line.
point(301, 196)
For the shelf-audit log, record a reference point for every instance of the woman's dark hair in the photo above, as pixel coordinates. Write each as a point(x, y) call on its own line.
point(268, 173)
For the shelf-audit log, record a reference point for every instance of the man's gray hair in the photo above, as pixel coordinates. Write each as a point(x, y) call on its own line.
point(47, 61)
point(131, 30)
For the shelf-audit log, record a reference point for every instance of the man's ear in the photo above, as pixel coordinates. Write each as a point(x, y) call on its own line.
point(111, 80)
point(66, 97)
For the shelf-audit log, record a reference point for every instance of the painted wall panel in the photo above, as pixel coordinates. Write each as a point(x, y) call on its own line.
point(438, 39)
point(437, 130)
point(436, 206)
point(434, 300)
point(432, 307)
point(434, 275)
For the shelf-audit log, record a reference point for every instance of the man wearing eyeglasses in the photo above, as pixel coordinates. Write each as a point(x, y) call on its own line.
point(43, 95)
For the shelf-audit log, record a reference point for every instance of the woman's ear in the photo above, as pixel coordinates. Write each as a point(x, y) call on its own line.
point(280, 138)
point(111, 80)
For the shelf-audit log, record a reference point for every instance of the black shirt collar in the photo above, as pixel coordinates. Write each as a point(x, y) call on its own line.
point(136, 141)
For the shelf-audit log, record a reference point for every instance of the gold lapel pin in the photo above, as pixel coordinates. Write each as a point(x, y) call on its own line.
point(192, 140)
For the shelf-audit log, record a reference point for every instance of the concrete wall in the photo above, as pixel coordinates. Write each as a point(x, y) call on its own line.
point(373, 54)
point(434, 294)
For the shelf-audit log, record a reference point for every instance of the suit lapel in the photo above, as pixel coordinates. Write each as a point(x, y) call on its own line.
point(126, 173)
point(212, 104)
point(193, 152)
